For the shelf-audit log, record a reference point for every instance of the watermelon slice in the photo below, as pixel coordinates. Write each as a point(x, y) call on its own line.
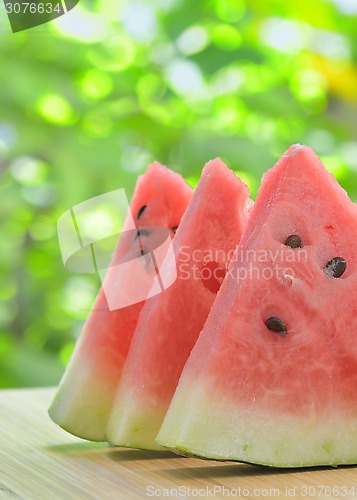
point(85, 396)
point(170, 323)
point(273, 377)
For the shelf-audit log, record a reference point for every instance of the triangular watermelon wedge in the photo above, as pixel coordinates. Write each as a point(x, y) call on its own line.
point(85, 395)
point(169, 325)
point(273, 377)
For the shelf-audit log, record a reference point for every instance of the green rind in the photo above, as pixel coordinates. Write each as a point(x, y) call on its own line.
point(133, 427)
point(75, 409)
point(184, 452)
point(73, 430)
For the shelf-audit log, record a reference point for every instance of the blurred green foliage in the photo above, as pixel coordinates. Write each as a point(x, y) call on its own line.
point(87, 101)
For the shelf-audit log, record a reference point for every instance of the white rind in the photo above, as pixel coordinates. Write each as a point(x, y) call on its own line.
point(198, 425)
point(133, 425)
point(83, 402)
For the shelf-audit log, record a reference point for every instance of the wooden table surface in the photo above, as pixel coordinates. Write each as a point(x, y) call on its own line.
point(41, 461)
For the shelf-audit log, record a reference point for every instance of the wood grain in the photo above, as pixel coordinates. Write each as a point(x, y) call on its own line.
point(40, 461)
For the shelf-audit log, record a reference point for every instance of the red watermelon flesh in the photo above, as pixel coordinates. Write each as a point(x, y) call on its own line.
point(85, 396)
point(170, 323)
point(283, 391)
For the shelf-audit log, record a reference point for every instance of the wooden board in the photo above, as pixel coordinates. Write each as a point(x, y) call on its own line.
point(40, 461)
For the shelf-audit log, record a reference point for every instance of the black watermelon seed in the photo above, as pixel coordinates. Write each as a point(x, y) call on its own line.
point(142, 253)
point(276, 325)
point(335, 267)
point(141, 232)
point(294, 241)
point(141, 211)
point(174, 229)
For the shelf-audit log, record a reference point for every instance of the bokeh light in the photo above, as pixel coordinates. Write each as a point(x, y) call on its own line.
point(89, 100)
